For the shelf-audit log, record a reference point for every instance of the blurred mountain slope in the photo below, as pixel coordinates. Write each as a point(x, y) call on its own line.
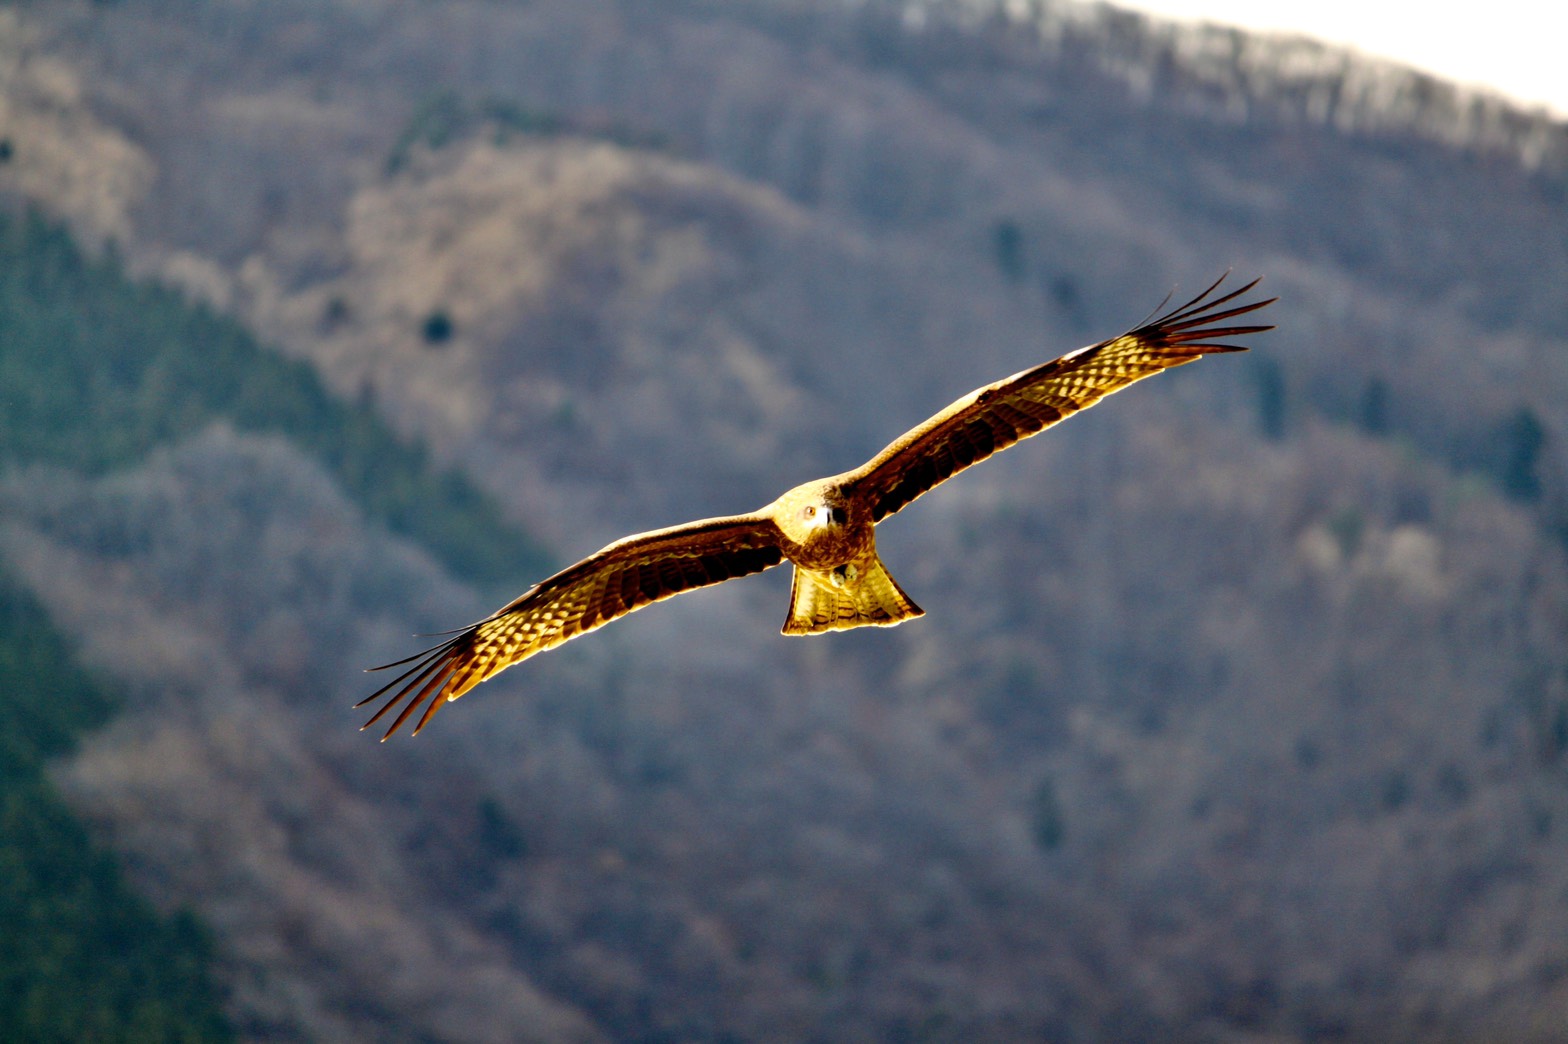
point(206, 784)
point(64, 901)
point(1240, 706)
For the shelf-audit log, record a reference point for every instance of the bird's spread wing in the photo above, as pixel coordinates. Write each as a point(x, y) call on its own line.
point(623, 577)
point(992, 418)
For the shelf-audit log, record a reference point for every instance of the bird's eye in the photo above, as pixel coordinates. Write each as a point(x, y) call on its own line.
point(809, 511)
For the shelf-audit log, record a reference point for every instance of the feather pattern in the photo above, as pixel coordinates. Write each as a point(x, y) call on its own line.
point(992, 418)
point(620, 579)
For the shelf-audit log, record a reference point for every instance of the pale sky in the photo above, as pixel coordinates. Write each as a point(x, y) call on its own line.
point(1516, 47)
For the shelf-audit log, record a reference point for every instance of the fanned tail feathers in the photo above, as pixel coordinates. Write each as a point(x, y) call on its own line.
point(853, 596)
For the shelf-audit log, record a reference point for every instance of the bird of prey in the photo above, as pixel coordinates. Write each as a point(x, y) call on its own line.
point(826, 528)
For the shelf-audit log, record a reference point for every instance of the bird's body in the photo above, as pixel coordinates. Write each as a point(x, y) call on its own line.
point(829, 533)
point(825, 528)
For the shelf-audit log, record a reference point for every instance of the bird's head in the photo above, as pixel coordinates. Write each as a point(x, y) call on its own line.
point(811, 513)
point(822, 515)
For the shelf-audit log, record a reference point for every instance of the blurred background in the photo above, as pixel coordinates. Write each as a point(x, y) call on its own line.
point(1240, 709)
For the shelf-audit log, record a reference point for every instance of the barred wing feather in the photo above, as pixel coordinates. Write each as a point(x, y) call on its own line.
point(620, 579)
point(990, 419)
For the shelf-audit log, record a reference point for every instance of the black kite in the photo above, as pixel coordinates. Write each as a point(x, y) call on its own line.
point(826, 527)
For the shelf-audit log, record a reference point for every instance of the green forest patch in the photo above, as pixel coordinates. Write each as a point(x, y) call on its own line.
point(81, 956)
point(96, 370)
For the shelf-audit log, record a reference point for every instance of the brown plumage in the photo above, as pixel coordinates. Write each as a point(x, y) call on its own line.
point(825, 528)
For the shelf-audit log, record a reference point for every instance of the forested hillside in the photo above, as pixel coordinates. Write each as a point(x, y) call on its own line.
point(1240, 708)
point(82, 957)
point(98, 372)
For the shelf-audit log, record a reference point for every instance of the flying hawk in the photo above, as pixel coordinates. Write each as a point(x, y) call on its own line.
point(826, 527)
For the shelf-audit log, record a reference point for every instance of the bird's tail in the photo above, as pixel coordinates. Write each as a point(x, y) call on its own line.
point(857, 595)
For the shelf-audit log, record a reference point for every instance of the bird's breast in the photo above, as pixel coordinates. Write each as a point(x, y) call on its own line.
point(831, 547)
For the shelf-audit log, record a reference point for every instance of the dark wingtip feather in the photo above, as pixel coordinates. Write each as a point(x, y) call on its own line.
point(1190, 327)
point(428, 676)
point(430, 712)
point(434, 687)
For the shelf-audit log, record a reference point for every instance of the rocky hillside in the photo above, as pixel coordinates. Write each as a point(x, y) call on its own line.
point(1241, 704)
